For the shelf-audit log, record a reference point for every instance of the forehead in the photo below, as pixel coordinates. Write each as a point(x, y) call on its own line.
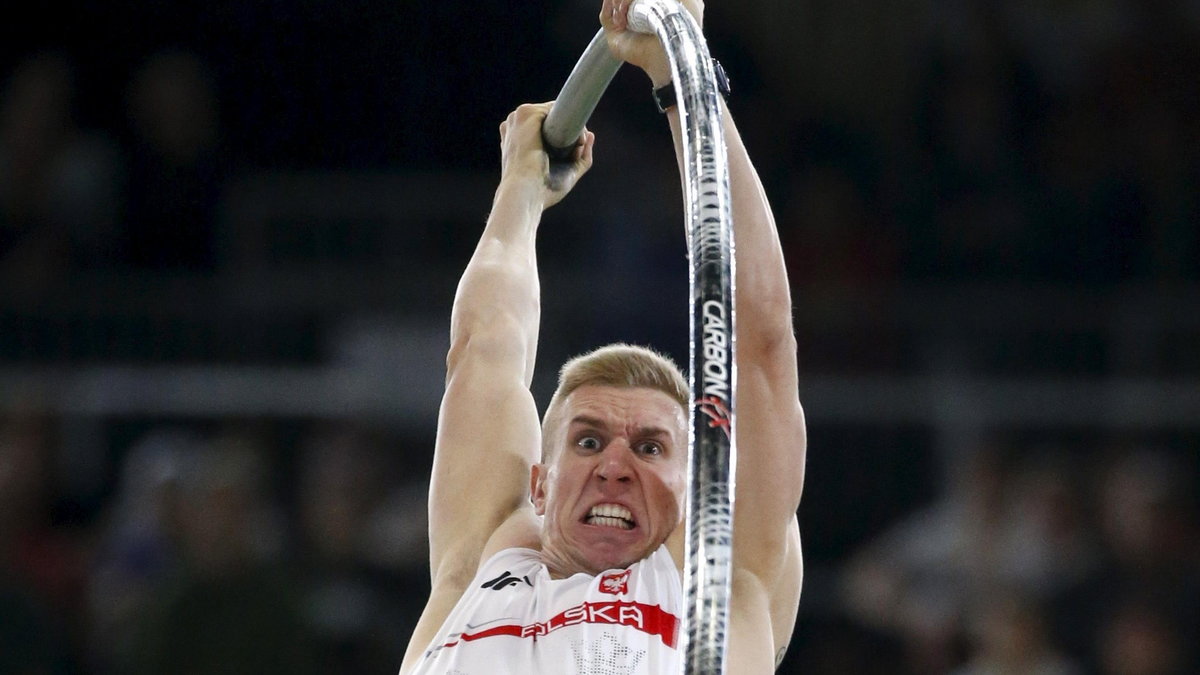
point(622, 407)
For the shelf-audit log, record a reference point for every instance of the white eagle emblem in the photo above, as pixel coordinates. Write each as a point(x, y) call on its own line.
point(615, 584)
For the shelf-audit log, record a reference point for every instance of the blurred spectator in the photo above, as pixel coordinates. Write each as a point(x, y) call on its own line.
point(59, 185)
point(1011, 638)
point(1139, 640)
point(42, 560)
point(40, 566)
point(1048, 542)
point(232, 608)
point(1146, 521)
point(920, 578)
point(177, 164)
point(1006, 537)
point(1151, 568)
point(137, 553)
point(354, 607)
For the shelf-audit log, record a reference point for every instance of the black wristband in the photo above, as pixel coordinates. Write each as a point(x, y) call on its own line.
point(665, 97)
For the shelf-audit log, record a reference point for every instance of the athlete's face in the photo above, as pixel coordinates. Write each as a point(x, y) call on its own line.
point(613, 490)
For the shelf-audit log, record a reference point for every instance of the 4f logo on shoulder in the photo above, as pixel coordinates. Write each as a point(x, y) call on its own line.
point(615, 584)
point(504, 581)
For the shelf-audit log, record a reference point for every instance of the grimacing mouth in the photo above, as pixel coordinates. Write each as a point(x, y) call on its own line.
point(610, 515)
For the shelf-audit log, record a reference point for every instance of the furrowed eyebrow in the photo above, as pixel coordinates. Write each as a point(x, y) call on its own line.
point(653, 432)
point(597, 423)
point(585, 420)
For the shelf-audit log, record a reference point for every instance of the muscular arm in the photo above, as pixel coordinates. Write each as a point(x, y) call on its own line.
point(771, 433)
point(487, 416)
point(771, 440)
point(488, 429)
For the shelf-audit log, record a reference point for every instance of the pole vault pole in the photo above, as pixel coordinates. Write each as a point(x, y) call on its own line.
point(578, 97)
point(711, 452)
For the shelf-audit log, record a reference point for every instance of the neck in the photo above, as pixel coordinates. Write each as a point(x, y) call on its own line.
point(561, 566)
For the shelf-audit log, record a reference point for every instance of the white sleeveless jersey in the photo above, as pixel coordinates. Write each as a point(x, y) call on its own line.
point(515, 620)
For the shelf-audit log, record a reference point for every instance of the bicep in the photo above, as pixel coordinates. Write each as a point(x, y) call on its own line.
point(771, 448)
point(488, 437)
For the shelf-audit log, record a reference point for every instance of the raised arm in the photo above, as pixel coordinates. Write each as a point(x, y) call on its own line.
point(770, 420)
point(771, 437)
point(488, 428)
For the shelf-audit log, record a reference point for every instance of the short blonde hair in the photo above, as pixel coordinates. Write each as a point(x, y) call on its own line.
point(615, 365)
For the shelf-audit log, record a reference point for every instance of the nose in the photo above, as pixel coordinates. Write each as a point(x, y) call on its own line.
point(615, 463)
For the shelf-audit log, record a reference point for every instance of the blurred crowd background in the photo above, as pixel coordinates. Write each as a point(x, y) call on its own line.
point(230, 233)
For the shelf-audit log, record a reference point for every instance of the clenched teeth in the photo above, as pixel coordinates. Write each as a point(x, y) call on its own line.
point(610, 515)
point(604, 521)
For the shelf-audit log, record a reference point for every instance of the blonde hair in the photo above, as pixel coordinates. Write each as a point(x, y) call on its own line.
point(616, 365)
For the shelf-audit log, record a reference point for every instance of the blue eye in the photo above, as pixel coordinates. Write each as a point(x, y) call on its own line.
point(589, 443)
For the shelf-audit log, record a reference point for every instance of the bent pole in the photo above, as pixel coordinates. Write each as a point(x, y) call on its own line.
point(578, 97)
point(708, 571)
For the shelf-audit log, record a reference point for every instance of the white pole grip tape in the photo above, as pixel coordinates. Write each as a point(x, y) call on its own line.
point(639, 17)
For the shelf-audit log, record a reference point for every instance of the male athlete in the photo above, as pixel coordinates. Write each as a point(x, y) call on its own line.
point(558, 548)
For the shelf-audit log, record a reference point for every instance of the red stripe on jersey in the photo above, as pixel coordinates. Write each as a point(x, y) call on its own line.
point(650, 619)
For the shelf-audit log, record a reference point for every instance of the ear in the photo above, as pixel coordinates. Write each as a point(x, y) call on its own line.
point(537, 487)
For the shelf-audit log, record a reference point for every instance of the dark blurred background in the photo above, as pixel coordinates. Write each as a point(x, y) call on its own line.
point(230, 234)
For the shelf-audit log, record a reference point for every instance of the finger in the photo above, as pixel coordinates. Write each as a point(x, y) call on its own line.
point(585, 151)
point(526, 109)
point(521, 114)
point(607, 12)
point(579, 153)
point(585, 138)
point(532, 115)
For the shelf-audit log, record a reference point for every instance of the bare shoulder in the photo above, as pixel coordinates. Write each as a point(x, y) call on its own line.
point(520, 530)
